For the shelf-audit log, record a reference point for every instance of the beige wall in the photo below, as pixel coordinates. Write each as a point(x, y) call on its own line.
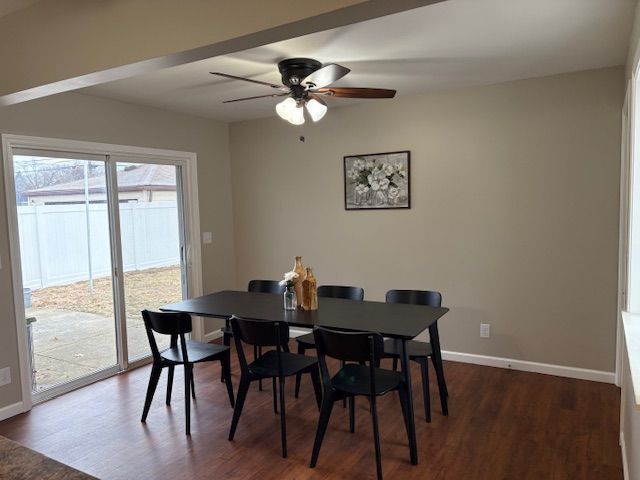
point(80, 117)
point(514, 212)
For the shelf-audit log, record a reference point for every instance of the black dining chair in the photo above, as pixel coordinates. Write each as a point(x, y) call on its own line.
point(418, 351)
point(307, 341)
point(187, 353)
point(258, 286)
point(275, 364)
point(355, 379)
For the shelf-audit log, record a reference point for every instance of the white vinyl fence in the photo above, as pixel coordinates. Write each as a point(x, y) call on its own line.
point(54, 245)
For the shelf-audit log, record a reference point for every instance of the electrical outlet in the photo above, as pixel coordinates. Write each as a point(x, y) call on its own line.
point(207, 237)
point(5, 376)
point(485, 330)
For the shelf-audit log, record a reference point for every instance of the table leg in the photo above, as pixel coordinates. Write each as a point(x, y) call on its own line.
point(434, 339)
point(406, 370)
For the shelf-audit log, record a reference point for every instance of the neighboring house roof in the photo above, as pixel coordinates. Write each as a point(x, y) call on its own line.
point(143, 177)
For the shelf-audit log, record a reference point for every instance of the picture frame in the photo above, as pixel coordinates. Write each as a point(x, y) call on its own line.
point(377, 181)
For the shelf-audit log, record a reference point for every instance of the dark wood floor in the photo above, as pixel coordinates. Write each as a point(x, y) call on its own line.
point(502, 425)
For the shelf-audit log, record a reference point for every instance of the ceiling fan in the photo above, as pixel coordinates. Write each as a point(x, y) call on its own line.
point(305, 83)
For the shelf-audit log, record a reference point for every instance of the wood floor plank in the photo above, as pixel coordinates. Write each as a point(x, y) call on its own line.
point(503, 424)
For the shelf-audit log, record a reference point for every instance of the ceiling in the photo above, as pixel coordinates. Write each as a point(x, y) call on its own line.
point(447, 45)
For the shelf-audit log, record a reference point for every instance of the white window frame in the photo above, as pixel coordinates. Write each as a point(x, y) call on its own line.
point(188, 163)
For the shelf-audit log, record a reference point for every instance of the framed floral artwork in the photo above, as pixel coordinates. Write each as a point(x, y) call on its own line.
point(377, 181)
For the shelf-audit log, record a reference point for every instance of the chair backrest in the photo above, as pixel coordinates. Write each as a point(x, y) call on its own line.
point(337, 291)
point(262, 333)
point(415, 297)
point(349, 347)
point(265, 286)
point(167, 323)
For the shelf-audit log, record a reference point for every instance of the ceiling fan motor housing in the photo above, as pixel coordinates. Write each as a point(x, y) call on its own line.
point(294, 70)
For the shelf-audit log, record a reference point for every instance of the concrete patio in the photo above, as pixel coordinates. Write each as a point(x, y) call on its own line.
point(74, 331)
point(69, 344)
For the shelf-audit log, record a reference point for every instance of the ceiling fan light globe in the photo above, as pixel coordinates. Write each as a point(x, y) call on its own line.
point(316, 109)
point(297, 116)
point(285, 109)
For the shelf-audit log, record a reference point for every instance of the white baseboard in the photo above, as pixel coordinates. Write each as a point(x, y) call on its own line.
point(293, 332)
point(296, 332)
point(623, 449)
point(208, 337)
point(510, 363)
point(11, 410)
point(526, 366)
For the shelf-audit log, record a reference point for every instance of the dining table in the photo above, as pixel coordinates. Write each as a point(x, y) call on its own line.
point(393, 320)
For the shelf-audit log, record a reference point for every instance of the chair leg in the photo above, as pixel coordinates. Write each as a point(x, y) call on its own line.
point(344, 400)
point(395, 364)
point(226, 340)
point(255, 356)
point(193, 383)
point(376, 436)
point(424, 367)
point(442, 386)
point(275, 395)
point(403, 394)
point(323, 422)
point(187, 397)
point(225, 363)
point(243, 388)
point(283, 422)
point(317, 389)
point(170, 384)
point(352, 414)
point(301, 350)
point(151, 389)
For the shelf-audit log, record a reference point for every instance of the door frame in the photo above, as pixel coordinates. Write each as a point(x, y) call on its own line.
point(626, 173)
point(188, 163)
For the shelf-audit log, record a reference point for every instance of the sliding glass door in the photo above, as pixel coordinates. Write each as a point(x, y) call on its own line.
point(67, 281)
point(152, 242)
point(100, 239)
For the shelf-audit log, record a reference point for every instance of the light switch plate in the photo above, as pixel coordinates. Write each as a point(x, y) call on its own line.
point(207, 238)
point(5, 376)
point(485, 330)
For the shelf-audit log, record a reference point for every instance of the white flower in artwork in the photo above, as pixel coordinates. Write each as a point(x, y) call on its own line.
point(375, 186)
point(358, 164)
point(353, 174)
point(370, 178)
point(389, 170)
point(380, 175)
point(362, 189)
point(393, 193)
point(369, 164)
point(384, 183)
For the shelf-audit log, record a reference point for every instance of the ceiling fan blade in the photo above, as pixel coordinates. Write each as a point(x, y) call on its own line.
point(349, 92)
point(318, 98)
point(257, 96)
point(326, 75)
point(272, 85)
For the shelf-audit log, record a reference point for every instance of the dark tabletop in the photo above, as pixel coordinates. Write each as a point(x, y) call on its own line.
point(389, 319)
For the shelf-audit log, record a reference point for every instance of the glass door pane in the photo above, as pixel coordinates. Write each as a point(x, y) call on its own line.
point(151, 236)
point(64, 233)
